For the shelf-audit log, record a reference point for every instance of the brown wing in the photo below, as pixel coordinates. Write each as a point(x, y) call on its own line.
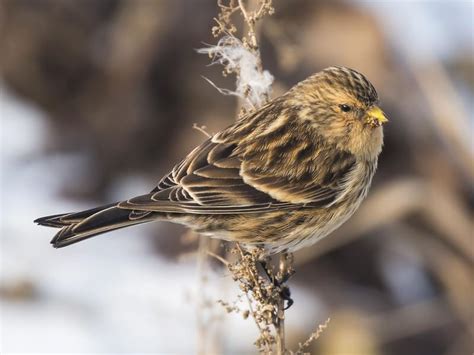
point(215, 179)
point(208, 181)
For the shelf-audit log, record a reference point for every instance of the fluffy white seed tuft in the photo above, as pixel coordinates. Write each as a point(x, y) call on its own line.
point(253, 85)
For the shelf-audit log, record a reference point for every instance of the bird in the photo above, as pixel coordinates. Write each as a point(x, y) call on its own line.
point(281, 177)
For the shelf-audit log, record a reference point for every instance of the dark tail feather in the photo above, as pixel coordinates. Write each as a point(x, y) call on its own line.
point(66, 219)
point(76, 227)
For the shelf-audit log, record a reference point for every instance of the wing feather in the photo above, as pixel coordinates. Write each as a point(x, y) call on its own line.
point(216, 179)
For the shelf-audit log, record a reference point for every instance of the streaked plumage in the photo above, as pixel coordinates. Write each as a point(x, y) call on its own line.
point(284, 176)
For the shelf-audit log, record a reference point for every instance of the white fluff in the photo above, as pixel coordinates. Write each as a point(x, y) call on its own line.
point(252, 85)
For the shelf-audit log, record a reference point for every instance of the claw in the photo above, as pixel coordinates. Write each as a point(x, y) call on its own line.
point(286, 296)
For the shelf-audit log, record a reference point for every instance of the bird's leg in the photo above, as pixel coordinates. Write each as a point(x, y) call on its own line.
point(286, 267)
point(285, 294)
point(279, 280)
point(262, 267)
point(285, 272)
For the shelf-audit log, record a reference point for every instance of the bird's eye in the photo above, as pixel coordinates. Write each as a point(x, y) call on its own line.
point(345, 108)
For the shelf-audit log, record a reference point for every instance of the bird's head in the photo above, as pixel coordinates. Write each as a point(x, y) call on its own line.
point(342, 106)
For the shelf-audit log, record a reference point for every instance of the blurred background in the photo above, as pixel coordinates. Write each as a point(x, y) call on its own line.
point(97, 102)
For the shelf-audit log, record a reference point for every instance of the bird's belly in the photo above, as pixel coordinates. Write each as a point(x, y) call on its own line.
point(316, 229)
point(276, 231)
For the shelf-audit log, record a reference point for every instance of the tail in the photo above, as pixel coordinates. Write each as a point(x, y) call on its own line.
point(76, 227)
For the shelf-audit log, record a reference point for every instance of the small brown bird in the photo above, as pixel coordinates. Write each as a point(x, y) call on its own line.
point(283, 177)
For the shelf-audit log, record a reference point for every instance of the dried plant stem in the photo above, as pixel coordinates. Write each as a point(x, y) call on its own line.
point(267, 347)
point(313, 336)
point(284, 273)
point(266, 295)
point(250, 23)
point(202, 335)
point(218, 257)
point(201, 129)
point(280, 327)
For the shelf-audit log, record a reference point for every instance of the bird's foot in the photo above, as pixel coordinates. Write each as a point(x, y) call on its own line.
point(279, 281)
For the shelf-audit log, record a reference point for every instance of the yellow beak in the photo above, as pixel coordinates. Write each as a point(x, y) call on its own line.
point(376, 117)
